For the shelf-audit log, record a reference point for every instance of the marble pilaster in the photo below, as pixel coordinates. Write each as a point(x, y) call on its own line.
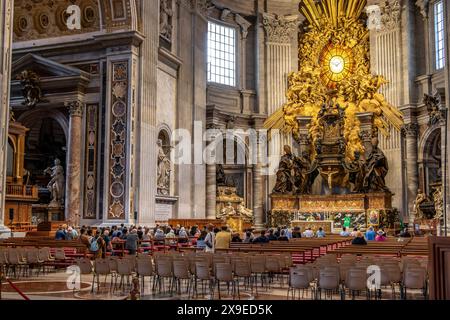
point(146, 134)
point(73, 190)
point(211, 191)
point(279, 31)
point(6, 16)
point(258, 210)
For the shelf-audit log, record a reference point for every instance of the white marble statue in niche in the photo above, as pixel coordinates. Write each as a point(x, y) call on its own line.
point(164, 169)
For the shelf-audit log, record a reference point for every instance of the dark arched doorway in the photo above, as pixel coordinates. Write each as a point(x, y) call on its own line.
point(46, 141)
point(432, 159)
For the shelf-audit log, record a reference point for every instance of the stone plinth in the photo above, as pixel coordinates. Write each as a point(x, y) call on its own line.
point(55, 213)
point(164, 208)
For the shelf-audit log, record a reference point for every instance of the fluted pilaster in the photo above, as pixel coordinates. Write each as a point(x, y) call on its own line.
point(6, 15)
point(147, 135)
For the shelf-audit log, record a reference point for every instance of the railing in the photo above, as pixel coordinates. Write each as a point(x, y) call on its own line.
point(12, 286)
point(22, 191)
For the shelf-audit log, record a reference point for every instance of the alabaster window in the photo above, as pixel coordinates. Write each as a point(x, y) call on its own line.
point(439, 34)
point(221, 54)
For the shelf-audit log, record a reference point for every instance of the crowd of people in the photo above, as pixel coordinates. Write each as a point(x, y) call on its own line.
point(100, 241)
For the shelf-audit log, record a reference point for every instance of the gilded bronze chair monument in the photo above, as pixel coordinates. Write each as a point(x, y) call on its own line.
point(336, 114)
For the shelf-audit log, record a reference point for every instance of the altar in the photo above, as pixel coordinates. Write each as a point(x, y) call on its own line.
point(332, 212)
point(326, 225)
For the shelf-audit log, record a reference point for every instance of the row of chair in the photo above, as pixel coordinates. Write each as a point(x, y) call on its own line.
point(21, 260)
point(193, 268)
point(352, 276)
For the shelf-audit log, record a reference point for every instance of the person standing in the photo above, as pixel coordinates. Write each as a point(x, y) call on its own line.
point(108, 244)
point(223, 239)
point(131, 244)
point(210, 239)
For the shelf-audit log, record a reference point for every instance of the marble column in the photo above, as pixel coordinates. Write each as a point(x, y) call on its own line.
point(410, 132)
point(258, 211)
point(6, 15)
point(73, 190)
point(444, 172)
point(211, 191)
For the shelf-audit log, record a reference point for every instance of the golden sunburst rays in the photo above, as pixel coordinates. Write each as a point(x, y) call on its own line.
point(337, 63)
point(330, 11)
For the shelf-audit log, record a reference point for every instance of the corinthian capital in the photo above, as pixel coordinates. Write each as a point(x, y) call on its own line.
point(280, 29)
point(75, 108)
point(410, 129)
point(390, 14)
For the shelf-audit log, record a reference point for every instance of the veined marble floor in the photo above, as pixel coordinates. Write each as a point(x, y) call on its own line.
point(56, 285)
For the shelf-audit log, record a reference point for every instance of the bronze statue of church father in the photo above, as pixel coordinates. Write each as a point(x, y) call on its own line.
point(322, 184)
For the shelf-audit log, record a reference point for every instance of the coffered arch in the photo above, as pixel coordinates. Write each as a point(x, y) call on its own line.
point(39, 19)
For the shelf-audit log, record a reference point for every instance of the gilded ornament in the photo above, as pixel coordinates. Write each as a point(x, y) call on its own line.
point(334, 55)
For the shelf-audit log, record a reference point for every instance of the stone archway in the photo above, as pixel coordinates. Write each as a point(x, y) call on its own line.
point(47, 19)
point(430, 158)
point(46, 141)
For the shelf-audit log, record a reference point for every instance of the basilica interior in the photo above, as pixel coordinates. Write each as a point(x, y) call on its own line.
point(250, 114)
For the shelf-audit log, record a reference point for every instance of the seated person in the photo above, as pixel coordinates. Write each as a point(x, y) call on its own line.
point(370, 234)
point(354, 232)
point(171, 235)
point(359, 239)
point(283, 236)
point(236, 237)
point(405, 233)
point(344, 232)
point(60, 234)
point(159, 237)
point(271, 236)
point(308, 233)
point(248, 237)
point(380, 236)
point(262, 238)
point(320, 233)
point(183, 236)
point(296, 233)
